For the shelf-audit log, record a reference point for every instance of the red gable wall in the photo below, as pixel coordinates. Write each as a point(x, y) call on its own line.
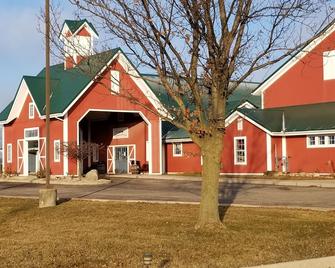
point(303, 83)
point(100, 97)
point(15, 131)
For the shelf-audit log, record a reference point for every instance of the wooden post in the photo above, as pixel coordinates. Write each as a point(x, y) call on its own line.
point(47, 93)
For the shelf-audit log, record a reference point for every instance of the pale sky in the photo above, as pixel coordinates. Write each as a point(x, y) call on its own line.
point(21, 46)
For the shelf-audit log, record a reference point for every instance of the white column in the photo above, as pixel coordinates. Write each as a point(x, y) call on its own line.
point(284, 153)
point(89, 142)
point(3, 148)
point(65, 141)
point(268, 152)
point(160, 147)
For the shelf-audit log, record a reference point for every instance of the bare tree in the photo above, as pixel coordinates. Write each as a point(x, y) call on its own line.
point(202, 50)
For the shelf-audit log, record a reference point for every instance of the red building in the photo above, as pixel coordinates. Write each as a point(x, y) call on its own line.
point(287, 123)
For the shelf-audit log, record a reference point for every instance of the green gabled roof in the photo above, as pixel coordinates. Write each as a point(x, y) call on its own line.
point(5, 113)
point(66, 85)
point(74, 25)
point(170, 132)
point(309, 117)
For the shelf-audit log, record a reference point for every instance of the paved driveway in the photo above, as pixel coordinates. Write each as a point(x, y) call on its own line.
point(185, 191)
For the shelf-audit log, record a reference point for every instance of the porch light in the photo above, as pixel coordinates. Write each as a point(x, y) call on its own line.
point(147, 259)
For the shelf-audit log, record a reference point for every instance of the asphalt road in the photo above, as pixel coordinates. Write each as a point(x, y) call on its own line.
point(185, 191)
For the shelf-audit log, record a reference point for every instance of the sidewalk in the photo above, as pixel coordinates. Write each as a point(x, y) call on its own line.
point(326, 262)
point(323, 183)
point(57, 180)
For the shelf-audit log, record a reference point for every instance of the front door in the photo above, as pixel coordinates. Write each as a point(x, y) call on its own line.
point(121, 160)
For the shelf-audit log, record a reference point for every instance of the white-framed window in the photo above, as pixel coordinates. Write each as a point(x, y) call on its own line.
point(31, 110)
point(240, 150)
point(329, 65)
point(31, 133)
point(9, 153)
point(120, 133)
point(56, 150)
point(95, 153)
point(239, 124)
point(115, 82)
point(177, 149)
point(321, 141)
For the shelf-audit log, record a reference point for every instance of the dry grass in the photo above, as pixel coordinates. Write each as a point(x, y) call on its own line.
point(95, 234)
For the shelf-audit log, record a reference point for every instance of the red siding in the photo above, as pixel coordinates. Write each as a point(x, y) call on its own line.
point(15, 131)
point(303, 159)
point(303, 83)
point(256, 152)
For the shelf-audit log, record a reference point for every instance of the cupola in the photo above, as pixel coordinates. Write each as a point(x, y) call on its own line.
point(77, 37)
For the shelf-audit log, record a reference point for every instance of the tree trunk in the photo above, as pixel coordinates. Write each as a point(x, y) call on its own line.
point(209, 204)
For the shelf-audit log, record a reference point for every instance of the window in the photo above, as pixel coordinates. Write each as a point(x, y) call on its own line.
point(57, 151)
point(31, 133)
point(311, 140)
point(115, 82)
point(31, 110)
point(321, 141)
point(120, 132)
point(9, 153)
point(240, 124)
point(329, 65)
point(177, 149)
point(240, 151)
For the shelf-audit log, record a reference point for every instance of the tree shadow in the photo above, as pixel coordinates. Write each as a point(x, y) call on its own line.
point(227, 194)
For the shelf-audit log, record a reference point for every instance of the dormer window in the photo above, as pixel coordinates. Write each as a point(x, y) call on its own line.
point(115, 82)
point(329, 65)
point(31, 110)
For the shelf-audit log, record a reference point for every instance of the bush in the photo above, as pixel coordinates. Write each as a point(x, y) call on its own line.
point(41, 173)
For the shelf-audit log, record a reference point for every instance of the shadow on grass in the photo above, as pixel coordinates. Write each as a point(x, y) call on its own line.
point(227, 194)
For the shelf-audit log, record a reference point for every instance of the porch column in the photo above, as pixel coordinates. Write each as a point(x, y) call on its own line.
point(65, 142)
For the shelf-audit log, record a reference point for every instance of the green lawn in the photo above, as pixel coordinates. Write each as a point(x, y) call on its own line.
point(108, 234)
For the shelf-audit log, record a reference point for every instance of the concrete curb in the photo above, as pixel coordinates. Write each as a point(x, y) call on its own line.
point(327, 262)
point(276, 182)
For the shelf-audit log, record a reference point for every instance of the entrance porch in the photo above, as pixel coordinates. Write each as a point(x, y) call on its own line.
point(112, 142)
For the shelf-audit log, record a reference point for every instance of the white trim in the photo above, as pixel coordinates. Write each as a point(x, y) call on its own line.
point(289, 64)
point(65, 141)
point(247, 105)
point(57, 153)
point(174, 147)
point(317, 144)
point(31, 138)
point(3, 148)
point(284, 154)
point(161, 157)
point(268, 152)
point(245, 162)
point(178, 140)
point(31, 109)
point(9, 159)
point(145, 119)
